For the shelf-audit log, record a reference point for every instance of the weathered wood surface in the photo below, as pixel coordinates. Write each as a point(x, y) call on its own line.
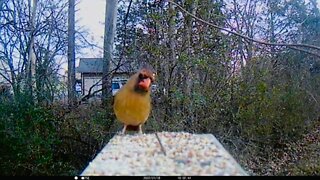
point(184, 154)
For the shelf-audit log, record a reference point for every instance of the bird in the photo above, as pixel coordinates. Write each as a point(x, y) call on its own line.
point(132, 103)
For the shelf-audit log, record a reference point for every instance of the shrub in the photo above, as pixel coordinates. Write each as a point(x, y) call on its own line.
point(51, 140)
point(272, 111)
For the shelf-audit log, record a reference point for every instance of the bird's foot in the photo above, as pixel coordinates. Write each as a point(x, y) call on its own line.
point(123, 132)
point(140, 129)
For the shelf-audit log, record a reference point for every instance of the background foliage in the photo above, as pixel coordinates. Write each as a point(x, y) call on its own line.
point(261, 102)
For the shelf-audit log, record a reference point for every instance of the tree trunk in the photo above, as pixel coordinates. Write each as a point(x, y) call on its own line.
point(170, 64)
point(71, 54)
point(109, 32)
point(31, 67)
point(272, 6)
point(189, 24)
point(189, 69)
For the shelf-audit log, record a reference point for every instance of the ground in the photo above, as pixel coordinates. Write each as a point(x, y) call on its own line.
point(295, 159)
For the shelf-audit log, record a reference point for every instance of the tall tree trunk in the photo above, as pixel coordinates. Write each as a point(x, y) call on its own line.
point(272, 6)
point(109, 32)
point(170, 65)
point(192, 7)
point(189, 69)
point(71, 54)
point(31, 67)
point(172, 52)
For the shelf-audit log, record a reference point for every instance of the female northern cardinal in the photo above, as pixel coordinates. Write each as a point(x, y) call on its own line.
point(132, 103)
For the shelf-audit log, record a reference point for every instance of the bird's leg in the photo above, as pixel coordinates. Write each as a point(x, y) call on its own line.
point(124, 129)
point(140, 129)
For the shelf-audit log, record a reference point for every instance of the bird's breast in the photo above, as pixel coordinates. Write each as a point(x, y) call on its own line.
point(132, 108)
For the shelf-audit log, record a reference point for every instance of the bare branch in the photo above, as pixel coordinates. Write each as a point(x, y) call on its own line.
point(125, 30)
point(305, 51)
point(91, 94)
point(246, 37)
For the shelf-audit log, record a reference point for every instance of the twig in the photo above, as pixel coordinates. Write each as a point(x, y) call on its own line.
point(162, 148)
point(89, 95)
point(125, 30)
point(305, 51)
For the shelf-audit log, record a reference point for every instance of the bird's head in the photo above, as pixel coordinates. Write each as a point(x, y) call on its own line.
point(145, 78)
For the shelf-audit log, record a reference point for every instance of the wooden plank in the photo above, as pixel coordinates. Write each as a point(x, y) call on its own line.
point(185, 155)
point(217, 143)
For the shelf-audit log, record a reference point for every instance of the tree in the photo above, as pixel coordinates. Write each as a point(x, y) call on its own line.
point(71, 53)
point(31, 63)
point(243, 17)
point(49, 37)
point(109, 32)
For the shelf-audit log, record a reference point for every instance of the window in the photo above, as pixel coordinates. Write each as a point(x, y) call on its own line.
point(115, 86)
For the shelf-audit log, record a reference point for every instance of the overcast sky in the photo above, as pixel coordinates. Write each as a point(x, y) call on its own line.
point(90, 14)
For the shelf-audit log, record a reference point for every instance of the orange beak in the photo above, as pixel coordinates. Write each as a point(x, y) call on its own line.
point(145, 83)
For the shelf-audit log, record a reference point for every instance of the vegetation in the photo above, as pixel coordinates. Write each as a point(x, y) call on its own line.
point(260, 101)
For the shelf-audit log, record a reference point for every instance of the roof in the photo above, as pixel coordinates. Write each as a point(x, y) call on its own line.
point(94, 65)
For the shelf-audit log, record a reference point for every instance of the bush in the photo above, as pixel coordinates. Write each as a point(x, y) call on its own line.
point(272, 111)
point(28, 137)
point(51, 140)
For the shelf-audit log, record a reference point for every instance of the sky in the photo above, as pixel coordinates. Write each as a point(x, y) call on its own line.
point(90, 15)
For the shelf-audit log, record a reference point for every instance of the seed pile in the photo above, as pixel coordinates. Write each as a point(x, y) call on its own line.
point(185, 154)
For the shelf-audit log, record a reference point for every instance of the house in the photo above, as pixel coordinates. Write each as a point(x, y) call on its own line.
point(91, 74)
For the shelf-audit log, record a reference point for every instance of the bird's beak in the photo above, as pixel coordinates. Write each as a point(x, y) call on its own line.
point(145, 83)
